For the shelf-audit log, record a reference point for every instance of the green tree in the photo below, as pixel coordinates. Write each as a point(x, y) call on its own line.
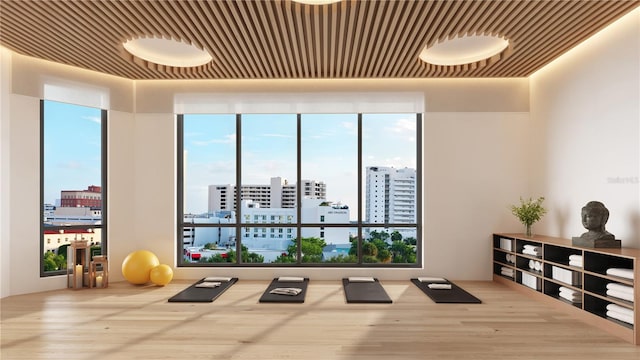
point(396, 236)
point(53, 262)
point(369, 249)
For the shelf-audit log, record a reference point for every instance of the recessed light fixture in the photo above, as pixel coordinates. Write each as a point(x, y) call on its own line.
point(167, 52)
point(464, 50)
point(316, 2)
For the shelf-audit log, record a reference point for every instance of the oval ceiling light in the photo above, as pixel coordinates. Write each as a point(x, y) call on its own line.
point(316, 2)
point(167, 52)
point(464, 50)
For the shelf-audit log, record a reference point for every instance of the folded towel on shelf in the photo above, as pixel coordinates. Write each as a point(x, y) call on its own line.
point(531, 252)
point(621, 317)
point(291, 279)
point(361, 279)
point(620, 295)
point(506, 271)
point(431, 279)
point(533, 247)
point(575, 263)
point(439, 286)
point(620, 309)
point(575, 258)
point(621, 272)
point(569, 297)
point(286, 291)
point(217, 279)
point(620, 287)
point(208, 284)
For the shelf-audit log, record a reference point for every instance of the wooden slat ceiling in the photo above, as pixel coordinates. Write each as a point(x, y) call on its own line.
point(281, 39)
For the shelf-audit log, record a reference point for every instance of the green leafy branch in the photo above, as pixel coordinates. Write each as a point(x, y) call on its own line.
point(529, 210)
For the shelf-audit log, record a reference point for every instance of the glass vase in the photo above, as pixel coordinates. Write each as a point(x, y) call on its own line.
point(528, 231)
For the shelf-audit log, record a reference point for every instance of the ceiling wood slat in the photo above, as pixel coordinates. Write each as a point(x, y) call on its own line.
point(281, 39)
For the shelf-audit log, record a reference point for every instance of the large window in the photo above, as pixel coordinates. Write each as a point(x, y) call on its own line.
point(299, 189)
point(73, 185)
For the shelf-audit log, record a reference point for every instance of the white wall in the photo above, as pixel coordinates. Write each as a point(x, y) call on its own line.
point(585, 110)
point(5, 177)
point(472, 134)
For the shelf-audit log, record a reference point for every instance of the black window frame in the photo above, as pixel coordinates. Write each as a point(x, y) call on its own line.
point(240, 226)
point(103, 187)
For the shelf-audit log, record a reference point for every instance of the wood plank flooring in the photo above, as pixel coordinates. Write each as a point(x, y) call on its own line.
point(136, 322)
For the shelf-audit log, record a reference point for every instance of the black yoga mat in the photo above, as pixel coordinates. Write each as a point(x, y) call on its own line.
point(455, 295)
point(279, 298)
point(365, 292)
point(197, 294)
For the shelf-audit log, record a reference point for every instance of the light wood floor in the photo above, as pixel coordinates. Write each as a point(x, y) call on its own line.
point(133, 322)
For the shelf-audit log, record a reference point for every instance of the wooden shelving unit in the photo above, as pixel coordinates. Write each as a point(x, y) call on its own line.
point(544, 274)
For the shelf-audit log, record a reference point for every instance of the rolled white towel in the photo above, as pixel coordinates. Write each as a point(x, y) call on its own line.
point(291, 279)
point(439, 286)
point(621, 272)
point(621, 317)
point(217, 279)
point(286, 291)
point(208, 284)
point(538, 266)
point(532, 247)
point(620, 295)
point(431, 279)
point(532, 264)
point(620, 309)
point(361, 279)
point(575, 257)
point(575, 263)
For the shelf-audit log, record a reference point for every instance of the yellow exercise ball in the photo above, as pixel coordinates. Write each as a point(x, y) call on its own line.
point(161, 275)
point(136, 267)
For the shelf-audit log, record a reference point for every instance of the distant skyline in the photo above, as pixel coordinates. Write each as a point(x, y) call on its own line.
point(329, 151)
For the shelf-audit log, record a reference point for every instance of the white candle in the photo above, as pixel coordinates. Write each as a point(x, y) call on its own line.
point(99, 281)
point(79, 274)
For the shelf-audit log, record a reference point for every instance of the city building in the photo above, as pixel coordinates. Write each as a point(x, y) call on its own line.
point(271, 238)
point(277, 194)
point(91, 197)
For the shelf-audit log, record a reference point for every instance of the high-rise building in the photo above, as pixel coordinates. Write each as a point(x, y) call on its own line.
point(390, 195)
point(277, 194)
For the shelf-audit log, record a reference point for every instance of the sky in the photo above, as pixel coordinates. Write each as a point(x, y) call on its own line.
point(329, 150)
point(72, 151)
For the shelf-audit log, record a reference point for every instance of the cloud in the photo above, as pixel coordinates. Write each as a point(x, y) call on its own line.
point(95, 119)
point(227, 139)
point(277, 136)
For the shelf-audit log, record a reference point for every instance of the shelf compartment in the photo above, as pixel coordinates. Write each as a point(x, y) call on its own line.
point(524, 264)
point(599, 263)
point(563, 275)
point(497, 269)
point(520, 245)
point(598, 286)
point(598, 306)
point(552, 289)
point(503, 257)
point(529, 280)
point(504, 243)
point(559, 254)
